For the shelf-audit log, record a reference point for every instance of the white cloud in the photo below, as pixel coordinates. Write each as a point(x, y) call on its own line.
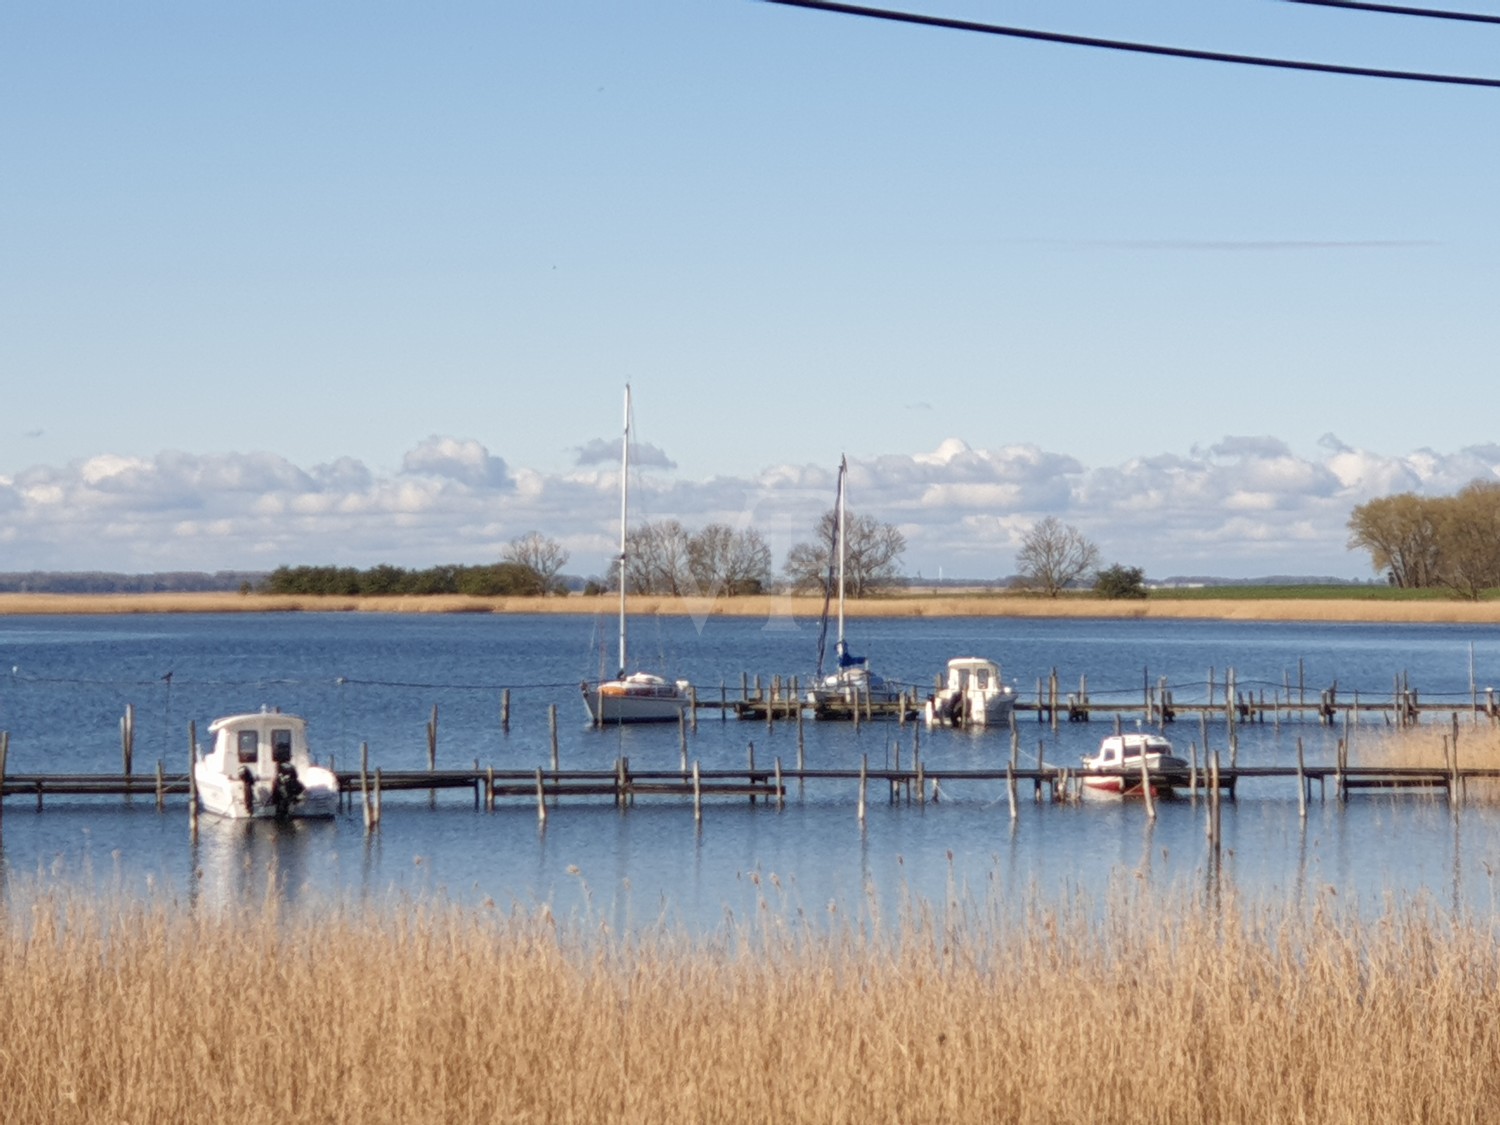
point(1241, 506)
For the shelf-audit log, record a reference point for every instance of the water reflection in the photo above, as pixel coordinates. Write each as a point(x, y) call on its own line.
point(235, 863)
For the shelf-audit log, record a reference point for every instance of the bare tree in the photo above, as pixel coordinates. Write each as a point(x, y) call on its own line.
point(721, 560)
point(1054, 555)
point(872, 554)
point(543, 556)
point(656, 558)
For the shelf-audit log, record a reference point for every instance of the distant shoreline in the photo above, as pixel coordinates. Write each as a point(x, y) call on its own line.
point(774, 606)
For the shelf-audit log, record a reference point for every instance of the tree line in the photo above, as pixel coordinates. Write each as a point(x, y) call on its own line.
point(1433, 542)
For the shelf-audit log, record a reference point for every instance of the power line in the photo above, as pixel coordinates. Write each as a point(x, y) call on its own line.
point(1400, 10)
point(1137, 48)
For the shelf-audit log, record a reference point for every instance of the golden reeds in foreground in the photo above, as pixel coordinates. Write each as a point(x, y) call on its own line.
point(144, 1014)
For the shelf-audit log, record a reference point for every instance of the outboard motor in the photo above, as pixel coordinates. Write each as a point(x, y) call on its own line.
point(247, 779)
point(286, 789)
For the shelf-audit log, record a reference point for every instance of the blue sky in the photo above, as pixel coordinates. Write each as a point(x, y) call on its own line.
point(362, 282)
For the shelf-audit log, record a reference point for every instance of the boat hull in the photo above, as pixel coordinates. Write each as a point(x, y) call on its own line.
point(970, 709)
point(625, 701)
point(225, 796)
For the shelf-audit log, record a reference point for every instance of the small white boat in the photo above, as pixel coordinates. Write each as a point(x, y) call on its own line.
point(1115, 769)
point(260, 768)
point(639, 697)
point(975, 695)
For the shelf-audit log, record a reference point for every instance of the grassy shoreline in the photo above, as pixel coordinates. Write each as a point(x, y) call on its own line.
point(1255, 606)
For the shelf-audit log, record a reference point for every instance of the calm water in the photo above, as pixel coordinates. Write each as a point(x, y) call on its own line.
point(65, 682)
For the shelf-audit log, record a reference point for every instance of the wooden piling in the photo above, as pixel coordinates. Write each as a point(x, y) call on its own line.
point(127, 739)
point(489, 789)
point(364, 784)
point(377, 797)
point(1010, 788)
point(4, 753)
point(1146, 790)
point(750, 768)
point(192, 775)
point(161, 786)
point(1301, 782)
point(505, 710)
point(552, 728)
point(541, 798)
point(697, 793)
point(780, 789)
point(693, 707)
point(864, 777)
point(1193, 772)
point(432, 732)
point(682, 748)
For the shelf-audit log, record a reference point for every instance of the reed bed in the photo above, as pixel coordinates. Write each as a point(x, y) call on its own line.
point(1125, 1011)
point(1433, 747)
point(973, 605)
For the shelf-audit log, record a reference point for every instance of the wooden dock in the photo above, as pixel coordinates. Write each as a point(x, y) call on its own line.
point(915, 783)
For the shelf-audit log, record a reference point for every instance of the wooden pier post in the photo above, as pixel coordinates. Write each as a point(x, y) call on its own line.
point(1146, 790)
point(4, 753)
point(1052, 698)
point(192, 774)
point(489, 789)
point(552, 729)
point(432, 740)
point(723, 702)
point(1301, 782)
point(364, 784)
point(377, 796)
point(693, 706)
point(1193, 772)
point(682, 742)
point(1041, 748)
point(697, 793)
point(541, 799)
point(750, 768)
point(127, 738)
point(161, 786)
point(780, 788)
point(505, 710)
point(1010, 788)
point(921, 776)
point(864, 777)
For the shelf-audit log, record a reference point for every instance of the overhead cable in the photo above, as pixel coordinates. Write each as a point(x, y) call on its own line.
point(1137, 48)
point(1402, 10)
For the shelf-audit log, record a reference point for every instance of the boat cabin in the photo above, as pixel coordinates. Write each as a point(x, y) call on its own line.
point(972, 672)
point(260, 742)
point(1118, 749)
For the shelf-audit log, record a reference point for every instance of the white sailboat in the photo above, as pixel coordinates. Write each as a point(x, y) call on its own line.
point(851, 682)
point(638, 697)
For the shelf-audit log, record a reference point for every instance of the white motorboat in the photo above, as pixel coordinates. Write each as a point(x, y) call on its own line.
point(260, 768)
point(638, 697)
point(1115, 768)
point(851, 683)
point(975, 695)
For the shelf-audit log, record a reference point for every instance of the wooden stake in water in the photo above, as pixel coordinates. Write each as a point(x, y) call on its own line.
point(432, 739)
point(552, 728)
point(1146, 790)
point(364, 783)
point(682, 741)
point(1301, 783)
point(541, 798)
point(127, 738)
point(780, 789)
point(697, 793)
point(505, 710)
point(192, 772)
point(1010, 787)
point(864, 776)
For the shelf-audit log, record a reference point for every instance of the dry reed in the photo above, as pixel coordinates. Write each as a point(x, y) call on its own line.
point(772, 606)
point(1130, 1012)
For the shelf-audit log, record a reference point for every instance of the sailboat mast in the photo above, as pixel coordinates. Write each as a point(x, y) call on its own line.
point(624, 495)
point(843, 469)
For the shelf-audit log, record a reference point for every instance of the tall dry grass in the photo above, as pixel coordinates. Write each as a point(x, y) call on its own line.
point(993, 604)
point(1075, 1013)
